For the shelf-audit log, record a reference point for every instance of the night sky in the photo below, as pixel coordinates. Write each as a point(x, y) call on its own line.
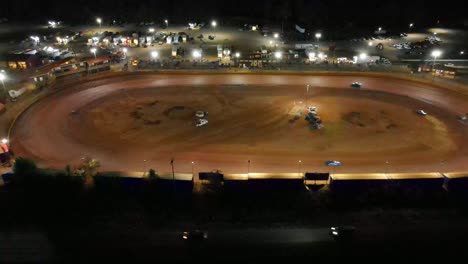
point(308, 12)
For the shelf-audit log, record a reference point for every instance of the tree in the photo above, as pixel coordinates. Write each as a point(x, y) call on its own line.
point(90, 167)
point(24, 170)
point(152, 175)
point(68, 170)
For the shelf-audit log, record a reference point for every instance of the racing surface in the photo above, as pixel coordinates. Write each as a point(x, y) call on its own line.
point(138, 122)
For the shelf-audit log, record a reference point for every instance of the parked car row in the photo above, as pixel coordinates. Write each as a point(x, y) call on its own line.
point(373, 38)
point(406, 45)
point(433, 40)
point(384, 61)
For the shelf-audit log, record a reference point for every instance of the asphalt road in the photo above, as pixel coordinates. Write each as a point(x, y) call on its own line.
point(238, 237)
point(423, 240)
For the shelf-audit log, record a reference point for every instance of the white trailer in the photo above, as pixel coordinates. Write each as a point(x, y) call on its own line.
point(14, 94)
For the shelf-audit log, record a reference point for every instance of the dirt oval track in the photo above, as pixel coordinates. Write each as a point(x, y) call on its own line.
point(137, 122)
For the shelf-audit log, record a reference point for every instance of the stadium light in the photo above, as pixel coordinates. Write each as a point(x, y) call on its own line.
point(278, 55)
point(435, 54)
point(214, 24)
point(196, 54)
point(237, 54)
point(93, 50)
point(2, 79)
point(362, 56)
point(154, 54)
point(311, 55)
point(276, 35)
point(318, 36)
point(99, 21)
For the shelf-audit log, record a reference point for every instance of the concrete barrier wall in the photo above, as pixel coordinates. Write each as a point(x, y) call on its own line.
point(431, 181)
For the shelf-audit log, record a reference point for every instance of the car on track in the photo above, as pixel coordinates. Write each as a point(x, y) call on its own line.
point(194, 235)
point(201, 114)
point(332, 163)
point(201, 122)
point(311, 109)
point(341, 233)
point(462, 117)
point(356, 85)
point(421, 112)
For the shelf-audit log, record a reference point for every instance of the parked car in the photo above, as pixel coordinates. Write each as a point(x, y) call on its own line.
point(421, 112)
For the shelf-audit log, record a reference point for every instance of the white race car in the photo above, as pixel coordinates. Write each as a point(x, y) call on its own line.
point(201, 114)
point(201, 122)
point(311, 108)
point(421, 112)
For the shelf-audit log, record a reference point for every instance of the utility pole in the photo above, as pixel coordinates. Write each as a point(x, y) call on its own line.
point(144, 168)
point(299, 167)
point(173, 175)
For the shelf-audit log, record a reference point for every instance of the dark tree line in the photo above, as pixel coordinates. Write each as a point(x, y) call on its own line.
point(319, 13)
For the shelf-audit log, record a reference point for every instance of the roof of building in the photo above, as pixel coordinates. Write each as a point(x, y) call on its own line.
point(96, 60)
point(48, 67)
point(17, 56)
point(444, 68)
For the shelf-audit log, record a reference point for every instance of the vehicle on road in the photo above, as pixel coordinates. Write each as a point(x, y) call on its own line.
point(421, 112)
point(462, 117)
point(342, 232)
point(201, 122)
point(356, 85)
point(195, 235)
point(332, 163)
